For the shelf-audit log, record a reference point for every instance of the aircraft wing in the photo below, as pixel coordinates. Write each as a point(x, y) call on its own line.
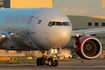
point(94, 31)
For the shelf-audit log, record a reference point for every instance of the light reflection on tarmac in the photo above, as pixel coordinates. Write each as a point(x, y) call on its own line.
point(69, 65)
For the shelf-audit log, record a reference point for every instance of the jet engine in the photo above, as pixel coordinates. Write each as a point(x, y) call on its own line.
point(88, 47)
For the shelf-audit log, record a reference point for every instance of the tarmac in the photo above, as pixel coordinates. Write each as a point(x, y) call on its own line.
point(68, 65)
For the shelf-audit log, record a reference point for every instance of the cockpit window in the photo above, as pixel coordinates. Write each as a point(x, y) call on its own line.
point(59, 24)
point(51, 24)
point(66, 23)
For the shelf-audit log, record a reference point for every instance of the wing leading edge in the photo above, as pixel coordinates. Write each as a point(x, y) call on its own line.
point(85, 32)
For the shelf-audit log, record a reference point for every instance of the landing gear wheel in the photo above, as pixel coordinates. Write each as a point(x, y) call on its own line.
point(52, 63)
point(40, 61)
point(56, 63)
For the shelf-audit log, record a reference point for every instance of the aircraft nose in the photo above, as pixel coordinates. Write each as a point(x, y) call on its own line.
point(64, 35)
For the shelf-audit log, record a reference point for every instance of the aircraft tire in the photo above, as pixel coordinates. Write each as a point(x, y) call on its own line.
point(52, 63)
point(42, 61)
point(38, 61)
point(56, 63)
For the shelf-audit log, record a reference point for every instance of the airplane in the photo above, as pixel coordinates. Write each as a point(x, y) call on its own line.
point(45, 29)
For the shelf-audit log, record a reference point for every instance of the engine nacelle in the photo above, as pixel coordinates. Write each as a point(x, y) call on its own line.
point(88, 47)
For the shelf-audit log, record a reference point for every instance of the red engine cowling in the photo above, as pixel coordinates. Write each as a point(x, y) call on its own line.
point(88, 47)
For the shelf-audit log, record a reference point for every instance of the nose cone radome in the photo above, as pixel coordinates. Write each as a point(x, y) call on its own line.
point(63, 35)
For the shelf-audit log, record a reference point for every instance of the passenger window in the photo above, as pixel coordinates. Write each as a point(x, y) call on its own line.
point(58, 23)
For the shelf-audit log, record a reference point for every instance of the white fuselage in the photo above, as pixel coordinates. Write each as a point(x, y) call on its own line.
point(30, 29)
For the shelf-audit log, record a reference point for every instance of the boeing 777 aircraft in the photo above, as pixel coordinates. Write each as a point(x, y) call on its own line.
point(45, 29)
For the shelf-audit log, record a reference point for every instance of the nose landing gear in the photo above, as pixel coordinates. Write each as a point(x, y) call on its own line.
point(50, 62)
point(48, 59)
